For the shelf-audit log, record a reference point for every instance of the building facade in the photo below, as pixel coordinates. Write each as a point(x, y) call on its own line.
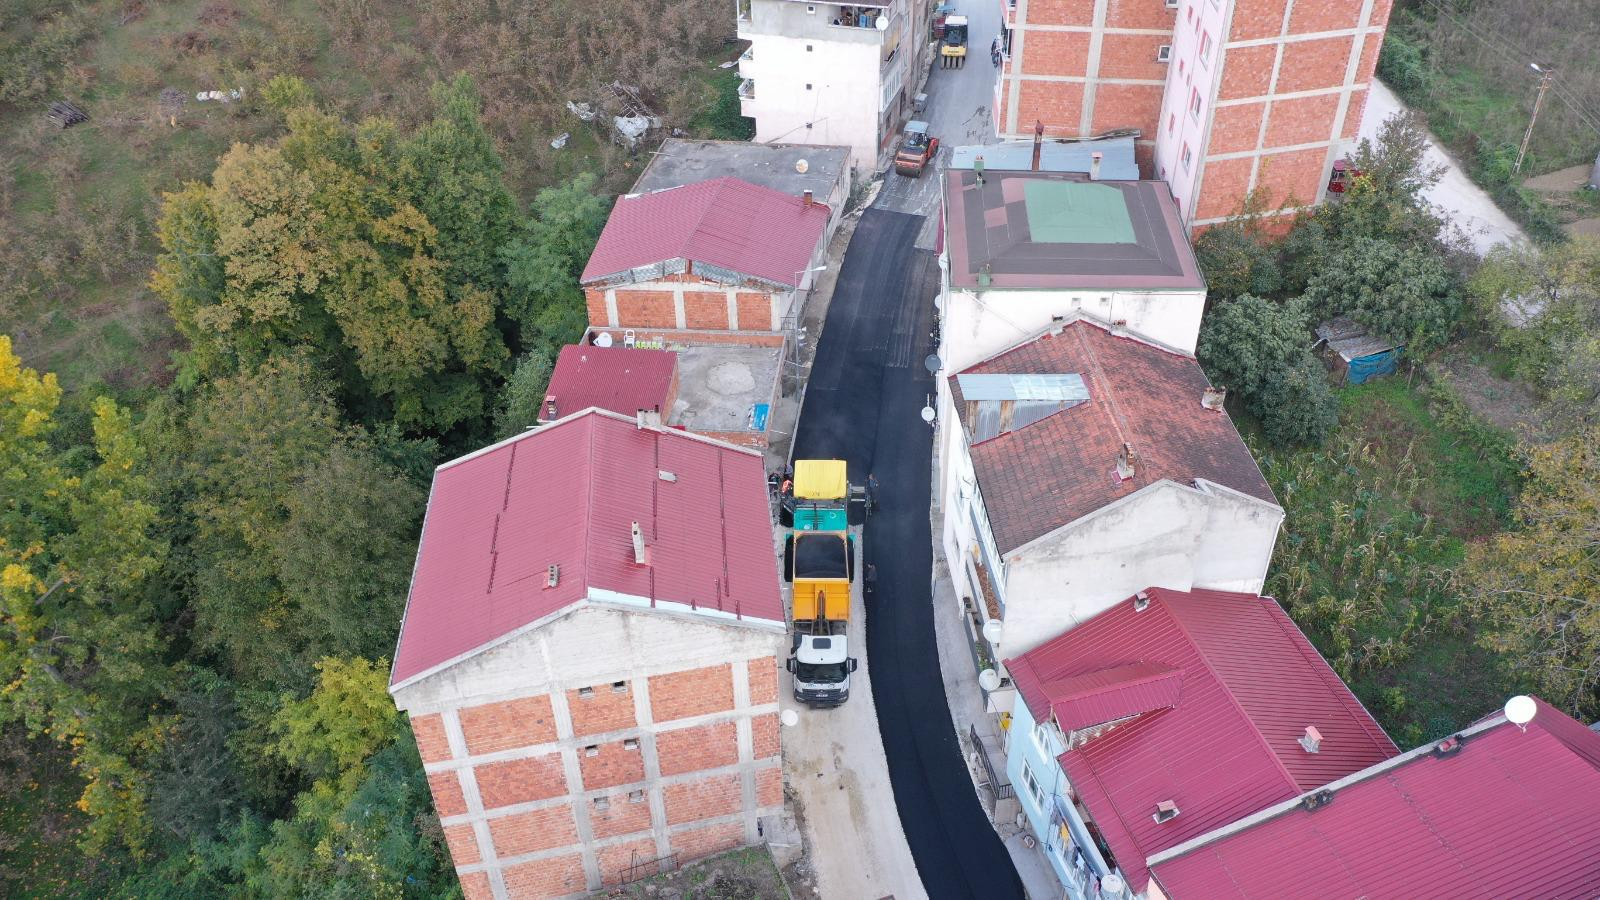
point(1227, 96)
point(830, 73)
point(589, 664)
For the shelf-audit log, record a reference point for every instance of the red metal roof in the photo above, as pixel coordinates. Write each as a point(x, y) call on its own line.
point(1510, 814)
point(1118, 692)
point(724, 222)
point(567, 494)
point(1056, 470)
point(621, 379)
point(1228, 748)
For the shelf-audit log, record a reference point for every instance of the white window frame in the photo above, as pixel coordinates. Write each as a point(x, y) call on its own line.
point(1164, 53)
point(1205, 49)
point(1188, 158)
point(1035, 789)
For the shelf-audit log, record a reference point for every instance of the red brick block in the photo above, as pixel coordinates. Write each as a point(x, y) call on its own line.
point(769, 787)
point(1059, 12)
point(693, 692)
point(764, 736)
point(707, 798)
point(1380, 13)
point(463, 844)
point(1057, 104)
point(763, 680)
point(605, 709)
point(695, 843)
point(1257, 19)
point(702, 747)
point(1136, 14)
point(530, 832)
point(621, 815)
point(1133, 55)
point(1247, 72)
point(1303, 120)
point(521, 780)
point(505, 726)
point(755, 311)
point(1311, 65)
point(1328, 15)
point(475, 886)
point(1223, 186)
point(1127, 106)
point(1353, 114)
point(595, 300)
point(541, 878)
point(447, 797)
point(646, 309)
point(615, 860)
point(612, 764)
point(702, 309)
point(1236, 128)
point(1292, 179)
point(1369, 58)
point(431, 740)
point(1055, 53)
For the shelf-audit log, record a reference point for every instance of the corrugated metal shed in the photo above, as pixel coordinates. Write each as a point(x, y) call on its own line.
point(1251, 684)
point(1351, 340)
point(567, 495)
point(1509, 814)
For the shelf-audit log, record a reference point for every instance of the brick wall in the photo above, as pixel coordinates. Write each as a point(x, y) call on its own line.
point(703, 309)
point(447, 797)
point(755, 311)
point(769, 787)
point(521, 780)
point(605, 708)
point(764, 736)
point(615, 859)
point(611, 763)
point(693, 843)
point(695, 692)
point(475, 886)
point(530, 832)
point(619, 814)
point(707, 798)
point(431, 740)
point(503, 726)
point(463, 844)
point(763, 675)
point(595, 300)
point(696, 338)
point(646, 309)
point(701, 747)
point(553, 877)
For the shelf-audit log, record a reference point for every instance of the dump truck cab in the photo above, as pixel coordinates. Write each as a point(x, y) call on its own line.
point(821, 665)
point(953, 46)
point(916, 151)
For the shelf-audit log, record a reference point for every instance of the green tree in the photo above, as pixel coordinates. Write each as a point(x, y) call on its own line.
point(1538, 587)
point(1235, 261)
point(1405, 294)
point(544, 260)
point(1258, 349)
point(523, 396)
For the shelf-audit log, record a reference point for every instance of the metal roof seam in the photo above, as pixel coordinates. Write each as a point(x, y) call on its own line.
point(411, 588)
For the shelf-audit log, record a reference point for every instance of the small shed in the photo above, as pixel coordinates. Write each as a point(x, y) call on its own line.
point(1354, 353)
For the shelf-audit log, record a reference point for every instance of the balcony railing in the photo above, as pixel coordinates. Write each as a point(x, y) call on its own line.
point(1003, 790)
point(747, 89)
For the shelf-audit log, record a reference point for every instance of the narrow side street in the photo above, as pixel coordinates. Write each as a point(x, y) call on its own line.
point(864, 405)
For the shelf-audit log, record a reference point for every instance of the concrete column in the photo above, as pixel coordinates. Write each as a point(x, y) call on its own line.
point(574, 774)
point(733, 309)
point(1091, 69)
point(677, 306)
point(652, 763)
point(469, 790)
point(611, 308)
point(746, 738)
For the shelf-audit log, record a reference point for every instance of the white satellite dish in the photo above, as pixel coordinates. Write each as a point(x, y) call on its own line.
point(789, 717)
point(883, 23)
point(989, 679)
point(993, 630)
point(801, 166)
point(603, 339)
point(1111, 885)
point(928, 414)
point(1520, 710)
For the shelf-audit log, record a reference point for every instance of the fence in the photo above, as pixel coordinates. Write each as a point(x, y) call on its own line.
point(1003, 790)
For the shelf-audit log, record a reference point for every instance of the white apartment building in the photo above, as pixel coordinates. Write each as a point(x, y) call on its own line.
point(832, 73)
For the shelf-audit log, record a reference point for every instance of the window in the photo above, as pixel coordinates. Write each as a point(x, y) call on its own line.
point(619, 687)
point(592, 750)
point(1194, 103)
point(602, 803)
point(586, 693)
point(1172, 4)
point(1164, 53)
point(1041, 736)
point(808, 48)
point(636, 796)
point(808, 85)
point(630, 744)
point(1034, 789)
point(1172, 121)
point(1190, 12)
point(1188, 158)
point(1205, 48)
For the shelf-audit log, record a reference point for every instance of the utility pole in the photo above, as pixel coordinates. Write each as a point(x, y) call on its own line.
point(1544, 84)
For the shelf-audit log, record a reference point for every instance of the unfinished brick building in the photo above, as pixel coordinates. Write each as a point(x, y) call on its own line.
point(590, 655)
point(1227, 95)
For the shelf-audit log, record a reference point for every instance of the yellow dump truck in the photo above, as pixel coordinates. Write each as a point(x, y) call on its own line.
point(819, 561)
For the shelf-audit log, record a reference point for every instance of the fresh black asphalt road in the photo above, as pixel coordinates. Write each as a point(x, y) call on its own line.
point(864, 405)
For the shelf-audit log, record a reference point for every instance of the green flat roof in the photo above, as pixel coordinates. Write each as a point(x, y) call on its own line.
point(1067, 212)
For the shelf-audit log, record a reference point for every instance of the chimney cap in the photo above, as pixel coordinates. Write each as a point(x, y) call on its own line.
point(1213, 396)
point(1166, 811)
point(1311, 741)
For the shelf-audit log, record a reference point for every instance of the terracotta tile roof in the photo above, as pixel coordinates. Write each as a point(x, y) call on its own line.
point(1044, 475)
point(725, 222)
point(1509, 814)
point(1228, 747)
point(567, 495)
point(621, 379)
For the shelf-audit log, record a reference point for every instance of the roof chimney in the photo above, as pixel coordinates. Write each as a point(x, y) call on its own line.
point(977, 167)
point(1038, 142)
point(1125, 462)
point(1166, 811)
point(550, 406)
point(1141, 601)
point(1094, 165)
point(1119, 327)
point(552, 575)
point(647, 418)
point(805, 198)
point(1311, 741)
point(1212, 397)
point(641, 555)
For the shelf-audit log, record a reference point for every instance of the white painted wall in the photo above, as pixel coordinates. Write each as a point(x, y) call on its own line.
point(587, 644)
point(1186, 73)
point(977, 325)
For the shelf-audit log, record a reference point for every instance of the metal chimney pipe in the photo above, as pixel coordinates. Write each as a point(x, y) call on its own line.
point(806, 198)
point(1038, 142)
point(1094, 165)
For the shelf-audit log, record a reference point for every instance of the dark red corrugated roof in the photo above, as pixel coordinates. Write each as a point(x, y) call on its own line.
point(724, 222)
point(1113, 693)
point(568, 494)
point(1044, 475)
point(1251, 684)
point(1510, 814)
point(621, 379)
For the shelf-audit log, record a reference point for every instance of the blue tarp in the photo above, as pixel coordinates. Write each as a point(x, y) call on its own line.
point(1373, 366)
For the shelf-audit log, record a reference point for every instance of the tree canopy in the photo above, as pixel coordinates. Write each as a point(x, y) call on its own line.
point(1259, 349)
point(1404, 294)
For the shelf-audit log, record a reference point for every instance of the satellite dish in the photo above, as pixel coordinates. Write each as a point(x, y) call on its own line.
point(883, 23)
point(789, 717)
point(1111, 885)
point(1520, 710)
point(993, 630)
point(989, 679)
point(933, 363)
point(801, 166)
point(603, 339)
point(928, 414)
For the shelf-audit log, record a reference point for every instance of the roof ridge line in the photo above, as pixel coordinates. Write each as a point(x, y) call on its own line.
point(1110, 392)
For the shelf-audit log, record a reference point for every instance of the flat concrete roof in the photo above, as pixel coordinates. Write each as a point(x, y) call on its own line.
point(679, 161)
point(718, 386)
point(1116, 162)
point(1045, 230)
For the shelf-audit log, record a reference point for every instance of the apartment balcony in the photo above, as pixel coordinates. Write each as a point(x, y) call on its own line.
point(747, 89)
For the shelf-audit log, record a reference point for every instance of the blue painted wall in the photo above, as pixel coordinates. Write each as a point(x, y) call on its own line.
point(1032, 751)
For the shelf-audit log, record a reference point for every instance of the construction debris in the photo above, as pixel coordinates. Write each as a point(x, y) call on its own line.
point(584, 111)
point(66, 114)
point(561, 141)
